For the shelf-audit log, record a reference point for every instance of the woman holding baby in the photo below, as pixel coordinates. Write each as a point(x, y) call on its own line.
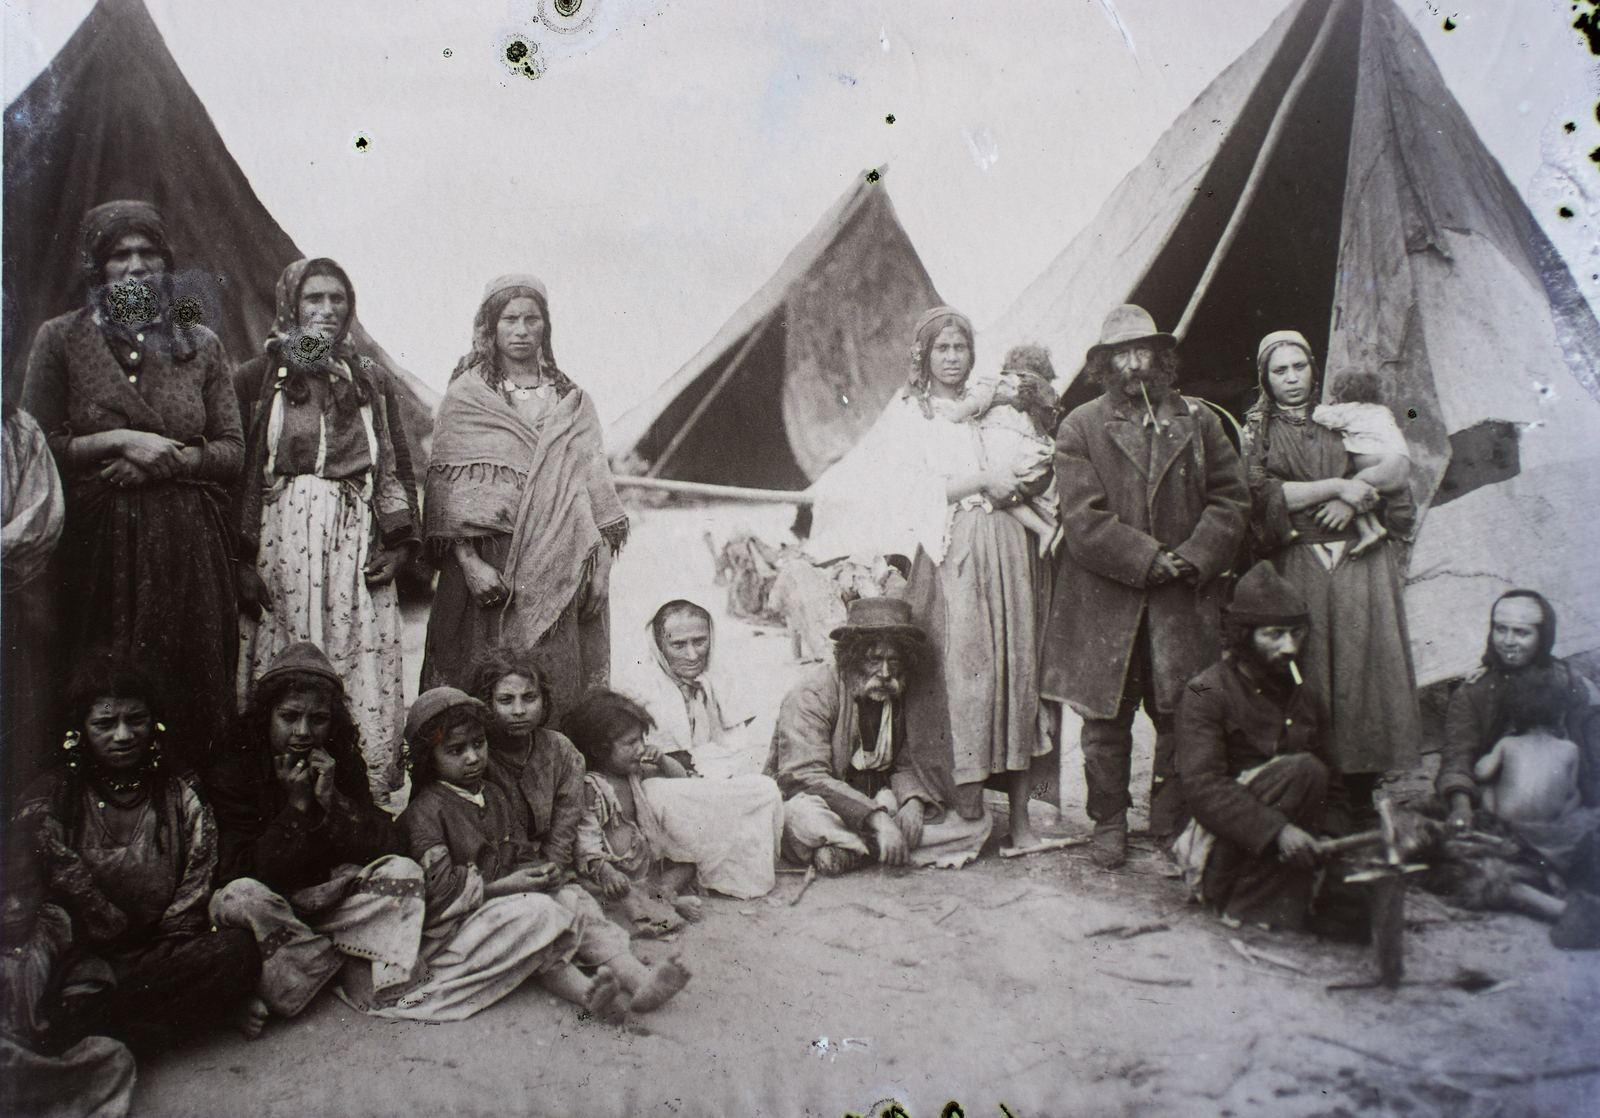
point(946, 481)
point(1308, 490)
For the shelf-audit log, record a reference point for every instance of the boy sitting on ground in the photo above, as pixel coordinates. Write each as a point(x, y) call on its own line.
point(1533, 769)
point(613, 854)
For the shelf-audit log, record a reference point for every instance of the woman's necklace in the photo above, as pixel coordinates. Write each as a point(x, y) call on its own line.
point(122, 794)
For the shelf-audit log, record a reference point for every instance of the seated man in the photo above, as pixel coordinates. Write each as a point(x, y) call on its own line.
point(698, 722)
point(1522, 631)
point(1252, 755)
point(307, 861)
point(856, 784)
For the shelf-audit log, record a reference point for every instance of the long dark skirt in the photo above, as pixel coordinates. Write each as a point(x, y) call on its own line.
point(30, 688)
point(145, 572)
point(575, 654)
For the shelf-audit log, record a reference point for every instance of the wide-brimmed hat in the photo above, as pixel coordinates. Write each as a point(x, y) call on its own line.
point(1264, 597)
point(890, 617)
point(430, 704)
point(1127, 324)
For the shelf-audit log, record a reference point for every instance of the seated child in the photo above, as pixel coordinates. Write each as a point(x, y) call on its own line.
point(613, 853)
point(1020, 430)
point(1371, 437)
point(1533, 769)
point(486, 906)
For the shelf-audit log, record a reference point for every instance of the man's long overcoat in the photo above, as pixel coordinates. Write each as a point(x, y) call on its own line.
point(1122, 501)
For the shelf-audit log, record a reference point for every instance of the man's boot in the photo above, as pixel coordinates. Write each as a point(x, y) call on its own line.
point(1109, 848)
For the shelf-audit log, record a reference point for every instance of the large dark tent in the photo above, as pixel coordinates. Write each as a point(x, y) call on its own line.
point(801, 370)
point(1328, 182)
point(112, 117)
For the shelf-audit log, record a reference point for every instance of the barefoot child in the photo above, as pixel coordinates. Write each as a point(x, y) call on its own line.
point(487, 910)
point(1532, 772)
point(1371, 437)
point(613, 852)
point(1015, 416)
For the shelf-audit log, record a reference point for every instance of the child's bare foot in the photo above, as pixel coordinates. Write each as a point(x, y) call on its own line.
point(690, 907)
point(251, 1018)
point(665, 981)
point(604, 1000)
point(1369, 532)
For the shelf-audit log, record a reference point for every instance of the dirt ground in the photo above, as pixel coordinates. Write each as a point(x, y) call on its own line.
point(984, 986)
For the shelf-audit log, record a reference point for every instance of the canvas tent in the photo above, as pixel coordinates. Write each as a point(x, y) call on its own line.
point(801, 370)
point(112, 117)
point(1328, 182)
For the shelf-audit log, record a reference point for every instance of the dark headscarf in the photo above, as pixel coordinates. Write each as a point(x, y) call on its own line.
point(926, 332)
point(297, 355)
point(496, 297)
point(149, 307)
point(1547, 631)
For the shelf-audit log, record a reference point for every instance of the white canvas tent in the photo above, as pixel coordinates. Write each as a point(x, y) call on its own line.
point(1328, 182)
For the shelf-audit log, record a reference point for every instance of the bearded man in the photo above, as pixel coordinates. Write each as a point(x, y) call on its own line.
point(1253, 754)
point(856, 783)
point(1154, 506)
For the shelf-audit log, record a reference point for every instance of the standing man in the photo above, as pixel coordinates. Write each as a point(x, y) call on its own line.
point(1154, 506)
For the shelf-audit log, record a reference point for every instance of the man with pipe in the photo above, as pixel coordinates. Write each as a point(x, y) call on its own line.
point(1253, 757)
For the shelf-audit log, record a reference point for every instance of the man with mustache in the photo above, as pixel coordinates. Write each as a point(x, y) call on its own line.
point(858, 783)
point(1154, 505)
point(1253, 758)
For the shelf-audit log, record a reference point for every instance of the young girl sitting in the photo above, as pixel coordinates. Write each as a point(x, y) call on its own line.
point(487, 913)
point(1371, 437)
point(1020, 429)
point(614, 853)
point(1532, 773)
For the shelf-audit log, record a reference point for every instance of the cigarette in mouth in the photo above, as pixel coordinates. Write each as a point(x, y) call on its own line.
point(1294, 672)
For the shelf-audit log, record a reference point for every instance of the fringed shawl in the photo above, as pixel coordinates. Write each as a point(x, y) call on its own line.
point(568, 504)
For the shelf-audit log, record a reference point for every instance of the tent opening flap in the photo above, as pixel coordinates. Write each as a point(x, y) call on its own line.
point(737, 437)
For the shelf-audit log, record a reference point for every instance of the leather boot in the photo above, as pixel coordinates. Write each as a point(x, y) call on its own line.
point(1109, 848)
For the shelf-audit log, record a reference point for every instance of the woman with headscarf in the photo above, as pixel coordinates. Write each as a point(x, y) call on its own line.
point(1304, 502)
point(919, 485)
point(521, 514)
point(134, 395)
point(324, 521)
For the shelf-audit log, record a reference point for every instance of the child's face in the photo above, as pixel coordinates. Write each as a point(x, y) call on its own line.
point(518, 704)
point(302, 721)
point(626, 753)
point(462, 756)
point(119, 732)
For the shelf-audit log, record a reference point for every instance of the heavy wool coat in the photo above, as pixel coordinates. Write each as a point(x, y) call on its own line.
point(1125, 496)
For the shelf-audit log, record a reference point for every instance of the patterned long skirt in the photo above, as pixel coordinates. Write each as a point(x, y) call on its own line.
point(315, 536)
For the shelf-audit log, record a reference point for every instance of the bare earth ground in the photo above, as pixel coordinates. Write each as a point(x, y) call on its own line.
point(980, 985)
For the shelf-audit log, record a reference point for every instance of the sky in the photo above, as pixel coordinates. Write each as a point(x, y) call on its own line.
point(671, 152)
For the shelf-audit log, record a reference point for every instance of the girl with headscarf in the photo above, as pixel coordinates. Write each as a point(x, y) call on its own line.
point(324, 521)
point(134, 396)
point(1304, 502)
point(521, 514)
point(919, 485)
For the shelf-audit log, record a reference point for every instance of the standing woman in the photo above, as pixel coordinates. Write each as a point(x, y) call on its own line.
point(1304, 502)
point(135, 398)
point(522, 517)
point(920, 486)
point(324, 522)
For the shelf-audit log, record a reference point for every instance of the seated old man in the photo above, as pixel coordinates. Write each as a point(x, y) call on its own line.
point(1252, 752)
point(857, 779)
point(699, 721)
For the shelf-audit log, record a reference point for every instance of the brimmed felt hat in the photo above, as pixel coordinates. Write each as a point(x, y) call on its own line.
point(889, 617)
point(305, 657)
point(1127, 324)
point(1264, 597)
point(431, 704)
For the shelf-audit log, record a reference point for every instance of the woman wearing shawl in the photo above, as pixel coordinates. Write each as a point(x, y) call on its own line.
point(323, 520)
point(919, 485)
point(1304, 502)
point(522, 517)
point(134, 396)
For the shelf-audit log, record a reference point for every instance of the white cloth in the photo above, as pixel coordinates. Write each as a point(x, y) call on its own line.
point(1194, 844)
point(315, 535)
point(730, 829)
point(714, 732)
point(1363, 428)
point(809, 823)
